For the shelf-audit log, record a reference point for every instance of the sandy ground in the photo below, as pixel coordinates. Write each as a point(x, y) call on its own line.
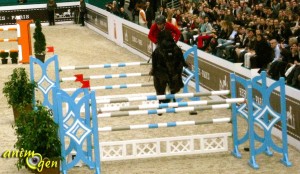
point(77, 45)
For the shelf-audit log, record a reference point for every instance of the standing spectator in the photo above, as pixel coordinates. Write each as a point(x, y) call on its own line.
point(114, 8)
point(121, 3)
point(149, 14)
point(142, 16)
point(131, 5)
point(135, 11)
point(123, 14)
point(160, 25)
point(51, 6)
point(82, 11)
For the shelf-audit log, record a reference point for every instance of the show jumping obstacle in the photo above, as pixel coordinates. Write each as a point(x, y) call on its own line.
point(23, 39)
point(190, 74)
point(141, 148)
point(87, 148)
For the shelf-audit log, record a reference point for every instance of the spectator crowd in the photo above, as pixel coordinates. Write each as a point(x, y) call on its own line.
point(263, 34)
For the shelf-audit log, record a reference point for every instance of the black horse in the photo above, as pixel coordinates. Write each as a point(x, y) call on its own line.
point(167, 65)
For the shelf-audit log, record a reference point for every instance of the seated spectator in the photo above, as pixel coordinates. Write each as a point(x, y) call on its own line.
point(170, 18)
point(264, 53)
point(206, 32)
point(246, 46)
point(178, 17)
point(293, 78)
point(239, 38)
point(275, 46)
point(226, 37)
point(189, 28)
point(279, 67)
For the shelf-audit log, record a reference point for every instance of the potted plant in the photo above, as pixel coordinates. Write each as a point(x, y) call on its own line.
point(39, 42)
point(4, 56)
point(14, 57)
point(37, 132)
point(19, 91)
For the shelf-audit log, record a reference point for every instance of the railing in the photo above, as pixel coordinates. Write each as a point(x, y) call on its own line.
point(173, 4)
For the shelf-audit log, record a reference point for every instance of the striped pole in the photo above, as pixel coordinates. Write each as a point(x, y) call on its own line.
point(9, 50)
point(161, 125)
point(160, 97)
point(9, 40)
point(170, 105)
point(160, 111)
point(104, 66)
point(122, 86)
point(107, 76)
point(8, 29)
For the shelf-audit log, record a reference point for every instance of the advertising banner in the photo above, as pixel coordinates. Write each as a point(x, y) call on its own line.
point(137, 40)
point(64, 13)
point(97, 20)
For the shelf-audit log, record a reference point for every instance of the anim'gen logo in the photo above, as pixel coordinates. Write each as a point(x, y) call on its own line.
point(33, 160)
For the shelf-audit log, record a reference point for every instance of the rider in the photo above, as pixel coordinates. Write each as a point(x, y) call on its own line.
point(161, 25)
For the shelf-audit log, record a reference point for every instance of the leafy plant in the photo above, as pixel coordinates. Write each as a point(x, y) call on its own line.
point(36, 131)
point(14, 55)
point(19, 90)
point(40, 40)
point(4, 55)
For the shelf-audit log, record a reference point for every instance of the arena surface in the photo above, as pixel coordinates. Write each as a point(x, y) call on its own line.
point(77, 45)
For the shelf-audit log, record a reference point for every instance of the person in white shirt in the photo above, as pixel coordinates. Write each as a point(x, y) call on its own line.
point(275, 46)
point(142, 16)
